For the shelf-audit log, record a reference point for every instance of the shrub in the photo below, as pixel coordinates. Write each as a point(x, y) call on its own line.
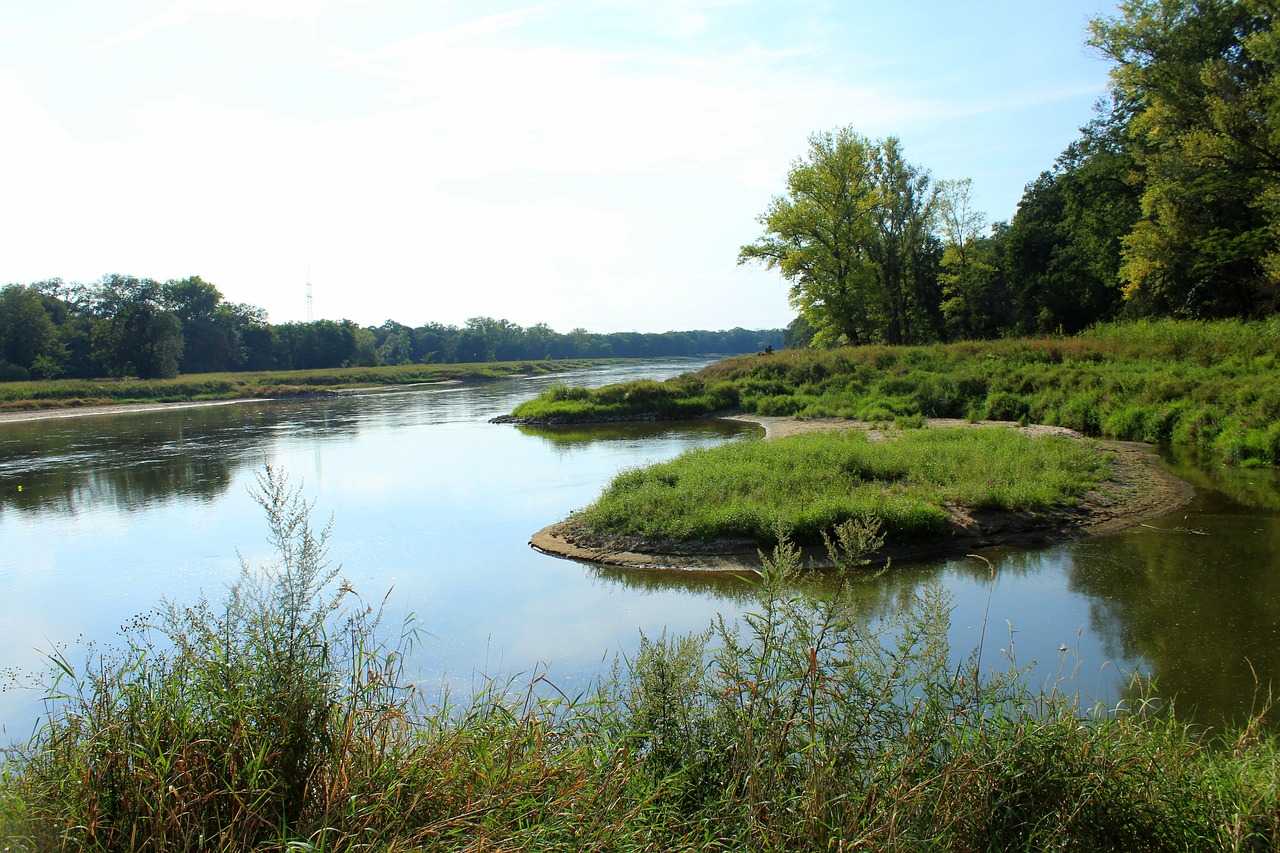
point(213, 725)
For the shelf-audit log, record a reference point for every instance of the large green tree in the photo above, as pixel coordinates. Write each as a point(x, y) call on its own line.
point(210, 329)
point(903, 243)
point(1200, 78)
point(819, 233)
point(28, 337)
point(1062, 251)
point(853, 236)
point(967, 270)
point(136, 335)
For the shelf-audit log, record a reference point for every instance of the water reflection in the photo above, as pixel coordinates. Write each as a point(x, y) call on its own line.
point(133, 460)
point(569, 437)
point(1197, 597)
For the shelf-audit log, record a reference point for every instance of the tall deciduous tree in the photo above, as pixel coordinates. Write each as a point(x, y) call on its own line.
point(135, 335)
point(210, 332)
point(966, 273)
point(1062, 251)
point(1200, 77)
point(28, 336)
point(853, 235)
point(819, 233)
point(904, 219)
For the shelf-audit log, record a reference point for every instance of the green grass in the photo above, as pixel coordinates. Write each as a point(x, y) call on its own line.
point(1213, 386)
point(229, 386)
point(806, 485)
point(279, 720)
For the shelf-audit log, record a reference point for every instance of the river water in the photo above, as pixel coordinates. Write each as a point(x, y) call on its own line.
point(102, 517)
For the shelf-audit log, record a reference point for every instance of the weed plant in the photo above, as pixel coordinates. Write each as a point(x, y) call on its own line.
point(806, 485)
point(278, 722)
point(1211, 386)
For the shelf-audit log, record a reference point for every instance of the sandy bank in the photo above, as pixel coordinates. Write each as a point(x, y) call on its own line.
point(1138, 490)
point(19, 416)
point(114, 409)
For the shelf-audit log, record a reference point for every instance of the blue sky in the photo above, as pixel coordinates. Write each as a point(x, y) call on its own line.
point(592, 164)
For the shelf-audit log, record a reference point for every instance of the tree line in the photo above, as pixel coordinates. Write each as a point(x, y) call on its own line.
point(126, 326)
point(1166, 205)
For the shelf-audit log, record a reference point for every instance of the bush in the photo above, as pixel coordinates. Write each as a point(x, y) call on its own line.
point(213, 725)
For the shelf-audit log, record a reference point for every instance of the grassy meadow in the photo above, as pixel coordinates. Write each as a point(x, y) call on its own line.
point(281, 719)
point(805, 485)
point(60, 393)
point(1211, 386)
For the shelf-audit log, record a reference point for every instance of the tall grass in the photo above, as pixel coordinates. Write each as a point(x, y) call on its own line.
point(277, 721)
point(1212, 386)
point(806, 485)
point(213, 726)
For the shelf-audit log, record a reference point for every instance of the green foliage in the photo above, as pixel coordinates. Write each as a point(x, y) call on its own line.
point(1201, 81)
point(211, 720)
point(1176, 382)
point(1061, 252)
point(852, 235)
point(123, 326)
point(807, 485)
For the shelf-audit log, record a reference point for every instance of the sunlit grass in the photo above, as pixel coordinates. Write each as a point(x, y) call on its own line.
point(807, 484)
point(1210, 386)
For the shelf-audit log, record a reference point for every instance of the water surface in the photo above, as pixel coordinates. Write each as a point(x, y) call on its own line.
point(434, 505)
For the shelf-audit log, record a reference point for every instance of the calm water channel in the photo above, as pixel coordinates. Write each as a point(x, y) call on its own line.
point(102, 516)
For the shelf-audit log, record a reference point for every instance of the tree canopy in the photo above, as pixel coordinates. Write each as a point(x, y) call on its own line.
point(851, 235)
point(1168, 203)
point(122, 325)
point(1199, 80)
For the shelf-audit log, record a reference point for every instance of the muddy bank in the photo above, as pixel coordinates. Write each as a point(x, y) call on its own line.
point(1138, 490)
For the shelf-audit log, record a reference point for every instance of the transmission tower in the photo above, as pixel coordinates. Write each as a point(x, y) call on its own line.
point(310, 305)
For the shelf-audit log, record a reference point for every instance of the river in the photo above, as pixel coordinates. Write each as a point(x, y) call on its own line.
point(103, 516)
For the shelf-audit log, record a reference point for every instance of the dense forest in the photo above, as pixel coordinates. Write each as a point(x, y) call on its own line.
point(1166, 205)
point(126, 326)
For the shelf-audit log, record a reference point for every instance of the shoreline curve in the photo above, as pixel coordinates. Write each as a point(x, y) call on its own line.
point(1138, 490)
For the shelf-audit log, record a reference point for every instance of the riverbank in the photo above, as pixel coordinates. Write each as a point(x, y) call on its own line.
point(1211, 387)
point(38, 400)
point(1138, 490)
point(24, 415)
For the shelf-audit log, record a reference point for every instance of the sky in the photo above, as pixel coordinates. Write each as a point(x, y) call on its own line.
point(581, 164)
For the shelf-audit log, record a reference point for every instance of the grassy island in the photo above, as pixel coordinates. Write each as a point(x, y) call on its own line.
point(806, 485)
point(1212, 386)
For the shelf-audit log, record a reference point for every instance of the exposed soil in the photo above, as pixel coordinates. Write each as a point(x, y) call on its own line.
point(1138, 490)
